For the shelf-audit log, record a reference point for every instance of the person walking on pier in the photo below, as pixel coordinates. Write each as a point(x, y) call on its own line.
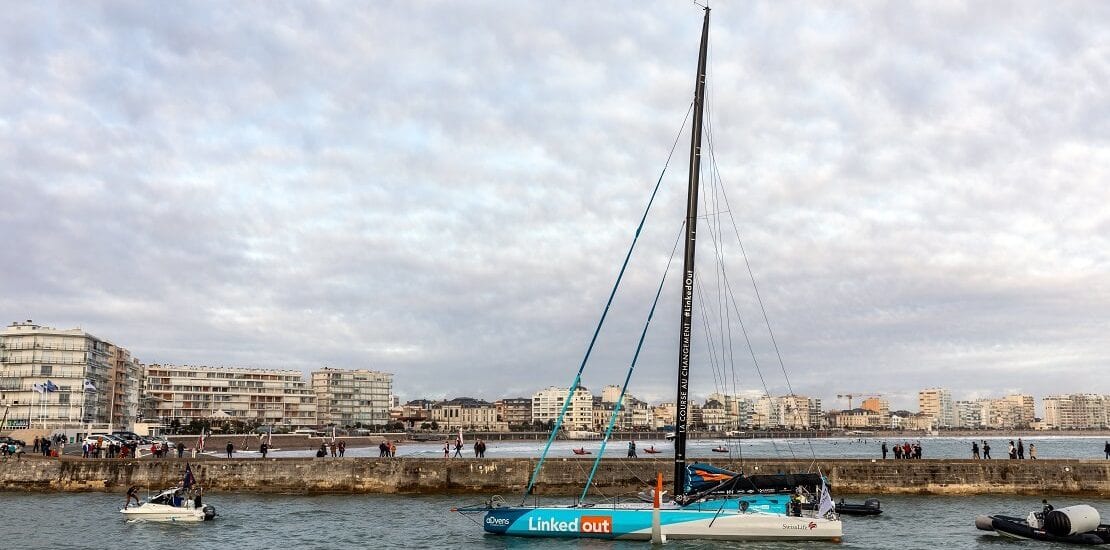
point(975, 450)
point(897, 452)
point(458, 448)
point(986, 450)
point(884, 450)
point(230, 449)
point(1013, 450)
point(1032, 451)
point(1020, 450)
point(1106, 449)
point(632, 449)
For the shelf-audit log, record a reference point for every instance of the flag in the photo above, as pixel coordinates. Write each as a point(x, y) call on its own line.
point(188, 480)
point(50, 386)
point(39, 388)
point(826, 504)
point(89, 386)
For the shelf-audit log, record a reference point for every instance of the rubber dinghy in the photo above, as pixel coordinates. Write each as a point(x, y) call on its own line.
point(1074, 525)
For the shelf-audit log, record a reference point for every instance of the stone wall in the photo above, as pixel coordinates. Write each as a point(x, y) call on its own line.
point(559, 476)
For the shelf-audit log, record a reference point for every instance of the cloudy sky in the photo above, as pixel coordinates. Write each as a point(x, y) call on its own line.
point(445, 190)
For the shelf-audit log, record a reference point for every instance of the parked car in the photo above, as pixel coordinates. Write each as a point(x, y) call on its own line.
point(127, 436)
point(107, 439)
point(8, 441)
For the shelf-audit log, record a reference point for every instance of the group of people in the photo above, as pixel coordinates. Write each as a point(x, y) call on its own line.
point(457, 445)
point(48, 446)
point(1016, 452)
point(387, 449)
point(905, 450)
point(336, 448)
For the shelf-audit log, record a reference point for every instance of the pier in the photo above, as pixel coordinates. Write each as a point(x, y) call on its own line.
point(559, 477)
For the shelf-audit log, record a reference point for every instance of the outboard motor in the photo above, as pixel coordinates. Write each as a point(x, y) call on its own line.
point(209, 512)
point(1073, 520)
point(872, 503)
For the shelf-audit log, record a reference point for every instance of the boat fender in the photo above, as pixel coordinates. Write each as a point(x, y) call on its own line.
point(984, 523)
point(1072, 520)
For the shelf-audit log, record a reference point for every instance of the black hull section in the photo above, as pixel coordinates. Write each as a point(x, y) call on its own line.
point(857, 510)
point(1017, 527)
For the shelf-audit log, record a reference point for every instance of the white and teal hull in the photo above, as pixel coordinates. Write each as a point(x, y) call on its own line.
point(718, 520)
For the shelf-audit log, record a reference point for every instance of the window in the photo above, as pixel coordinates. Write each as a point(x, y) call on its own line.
point(46, 370)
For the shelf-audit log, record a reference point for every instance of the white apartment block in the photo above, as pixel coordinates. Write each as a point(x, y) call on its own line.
point(262, 396)
point(548, 403)
point(969, 414)
point(1076, 411)
point(937, 403)
point(352, 398)
point(81, 370)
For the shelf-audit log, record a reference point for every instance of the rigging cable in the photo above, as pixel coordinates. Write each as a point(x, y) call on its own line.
point(632, 366)
point(604, 313)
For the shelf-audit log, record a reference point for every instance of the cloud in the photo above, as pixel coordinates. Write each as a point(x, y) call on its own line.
point(445, 191)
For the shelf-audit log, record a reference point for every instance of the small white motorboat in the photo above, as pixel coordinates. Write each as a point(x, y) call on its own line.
point(170, 505)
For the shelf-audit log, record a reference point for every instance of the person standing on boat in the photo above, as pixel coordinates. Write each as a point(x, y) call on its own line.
point(230, 449)
point(132, 493)
point(1020, 450)
point(975, 450)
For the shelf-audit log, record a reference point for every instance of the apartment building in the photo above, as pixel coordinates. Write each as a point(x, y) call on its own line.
point(548, 403)
point(1077, 411)
point(879, 406)
point(352, 398)
point(969, 414)
point(262, 396)
point(51, 378)
point(514, 411)
point(937, 403)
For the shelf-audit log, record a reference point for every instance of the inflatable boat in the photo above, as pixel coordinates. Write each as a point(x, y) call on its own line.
point(1075, 525)
point(870, 507)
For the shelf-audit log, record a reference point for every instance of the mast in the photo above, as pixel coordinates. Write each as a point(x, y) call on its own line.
point(685, 324)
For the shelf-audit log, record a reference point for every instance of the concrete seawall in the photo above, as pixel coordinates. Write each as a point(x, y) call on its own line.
point(559, 476)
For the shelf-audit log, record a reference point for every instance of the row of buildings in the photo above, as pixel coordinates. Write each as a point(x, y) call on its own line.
point(53, 378)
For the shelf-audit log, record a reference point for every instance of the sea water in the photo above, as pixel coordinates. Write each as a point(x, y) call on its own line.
point(293, 522)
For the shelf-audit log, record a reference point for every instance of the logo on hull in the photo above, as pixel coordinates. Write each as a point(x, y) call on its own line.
point(584, 524)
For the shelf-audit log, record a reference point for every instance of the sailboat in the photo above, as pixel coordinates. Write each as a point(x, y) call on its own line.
point(706, 502)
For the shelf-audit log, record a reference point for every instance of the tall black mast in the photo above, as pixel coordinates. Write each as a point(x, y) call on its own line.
point(688, 272)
